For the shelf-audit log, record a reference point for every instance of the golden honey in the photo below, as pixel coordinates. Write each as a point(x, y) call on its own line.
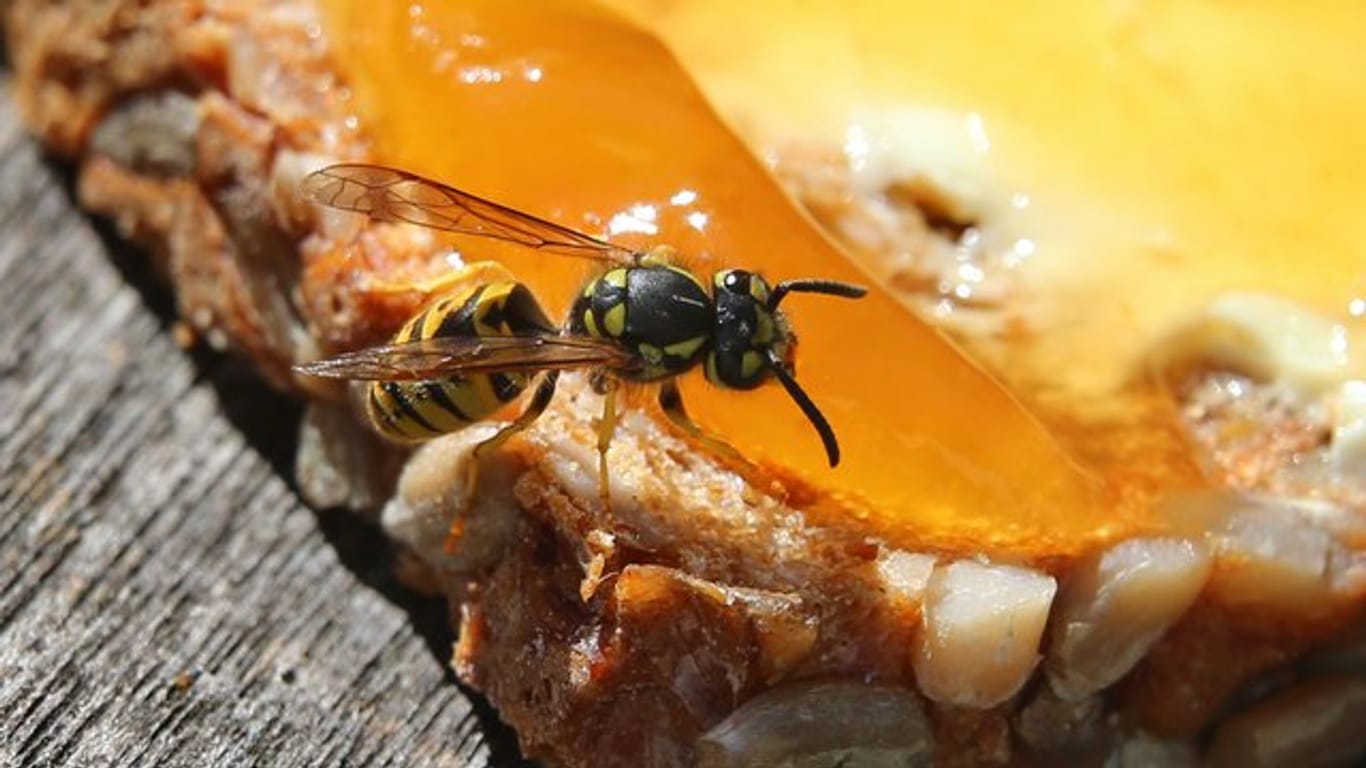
point(1127, 135)
point(1153, 155)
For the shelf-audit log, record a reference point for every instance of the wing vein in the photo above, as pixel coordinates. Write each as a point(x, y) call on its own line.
point(450, 356)
point(389, 194)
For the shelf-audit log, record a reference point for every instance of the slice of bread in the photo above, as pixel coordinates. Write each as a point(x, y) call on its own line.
point(703, 618)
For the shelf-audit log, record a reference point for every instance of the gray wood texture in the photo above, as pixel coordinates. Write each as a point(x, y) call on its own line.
point(165, 598)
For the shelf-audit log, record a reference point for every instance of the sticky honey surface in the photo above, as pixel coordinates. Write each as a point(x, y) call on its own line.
point(564, 111)
point(1150, 156)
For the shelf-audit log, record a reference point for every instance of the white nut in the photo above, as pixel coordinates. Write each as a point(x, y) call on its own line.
point(980, 638)
point(946, 149)
point(1347, 452)
point(809, 724)
point(1271, 556)
point(1117, 605)
point(1268, 338)
point(904, 575)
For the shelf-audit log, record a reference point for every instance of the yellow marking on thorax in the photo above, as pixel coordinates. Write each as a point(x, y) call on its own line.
point(652, 354)
point(614, 321)
point(692, 277)
point(685, 348)
point(659, 256)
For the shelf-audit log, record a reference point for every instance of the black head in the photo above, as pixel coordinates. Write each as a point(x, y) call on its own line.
point(753, 342)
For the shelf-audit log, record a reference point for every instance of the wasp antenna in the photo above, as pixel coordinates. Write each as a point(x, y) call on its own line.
point(813, 414)
point(827, 287)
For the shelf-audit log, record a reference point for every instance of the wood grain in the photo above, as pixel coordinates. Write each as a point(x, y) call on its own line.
point(165, 598)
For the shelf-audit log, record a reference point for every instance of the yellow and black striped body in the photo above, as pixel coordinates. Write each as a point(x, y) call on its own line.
point(661, 313)
point(409, 411)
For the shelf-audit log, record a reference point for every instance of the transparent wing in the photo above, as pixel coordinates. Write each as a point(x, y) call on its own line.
point(446, 356)
point(388, 194)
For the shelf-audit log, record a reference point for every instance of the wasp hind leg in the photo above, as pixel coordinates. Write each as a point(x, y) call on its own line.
point(545, 392)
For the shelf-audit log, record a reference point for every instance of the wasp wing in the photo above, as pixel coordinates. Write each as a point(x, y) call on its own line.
point(446, 356)
point(388, 194)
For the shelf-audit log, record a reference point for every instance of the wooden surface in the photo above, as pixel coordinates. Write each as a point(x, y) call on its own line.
point(165, 598)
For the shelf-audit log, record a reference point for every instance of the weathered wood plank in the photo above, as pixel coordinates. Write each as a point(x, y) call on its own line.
point(165, 598)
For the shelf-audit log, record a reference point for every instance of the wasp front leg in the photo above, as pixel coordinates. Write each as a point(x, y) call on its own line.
point(671, 402)
point(540, 400)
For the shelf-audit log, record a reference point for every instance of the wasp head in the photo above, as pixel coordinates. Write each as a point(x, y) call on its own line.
point(747, 332)
point(752, 340)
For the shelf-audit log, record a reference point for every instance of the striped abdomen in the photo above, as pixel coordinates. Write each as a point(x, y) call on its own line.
point(420, 410)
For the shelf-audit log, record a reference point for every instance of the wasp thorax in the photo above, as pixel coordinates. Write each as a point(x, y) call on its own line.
point(659, 312)
point(746, 330)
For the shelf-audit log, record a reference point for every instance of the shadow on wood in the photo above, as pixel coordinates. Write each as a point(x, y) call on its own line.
point(269, 420)
point(165, 598)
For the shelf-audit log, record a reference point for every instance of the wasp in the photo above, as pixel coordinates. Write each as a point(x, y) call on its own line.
point(643, 318)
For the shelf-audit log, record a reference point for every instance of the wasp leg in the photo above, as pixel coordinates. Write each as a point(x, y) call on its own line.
point(545, 392)
point(671, 402)
point(607, 426)
point(471, 274)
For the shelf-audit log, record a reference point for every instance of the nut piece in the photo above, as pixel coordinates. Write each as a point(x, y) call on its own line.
point(1050, 723)
point(1348, 451)
point(805, 725)
point(784, 633)
point(904, 575)
point(1316, 723)
point(980, 638)
point(1117, 606)
point(1267, 338)
point(1143, 750)
point(1269, 556)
